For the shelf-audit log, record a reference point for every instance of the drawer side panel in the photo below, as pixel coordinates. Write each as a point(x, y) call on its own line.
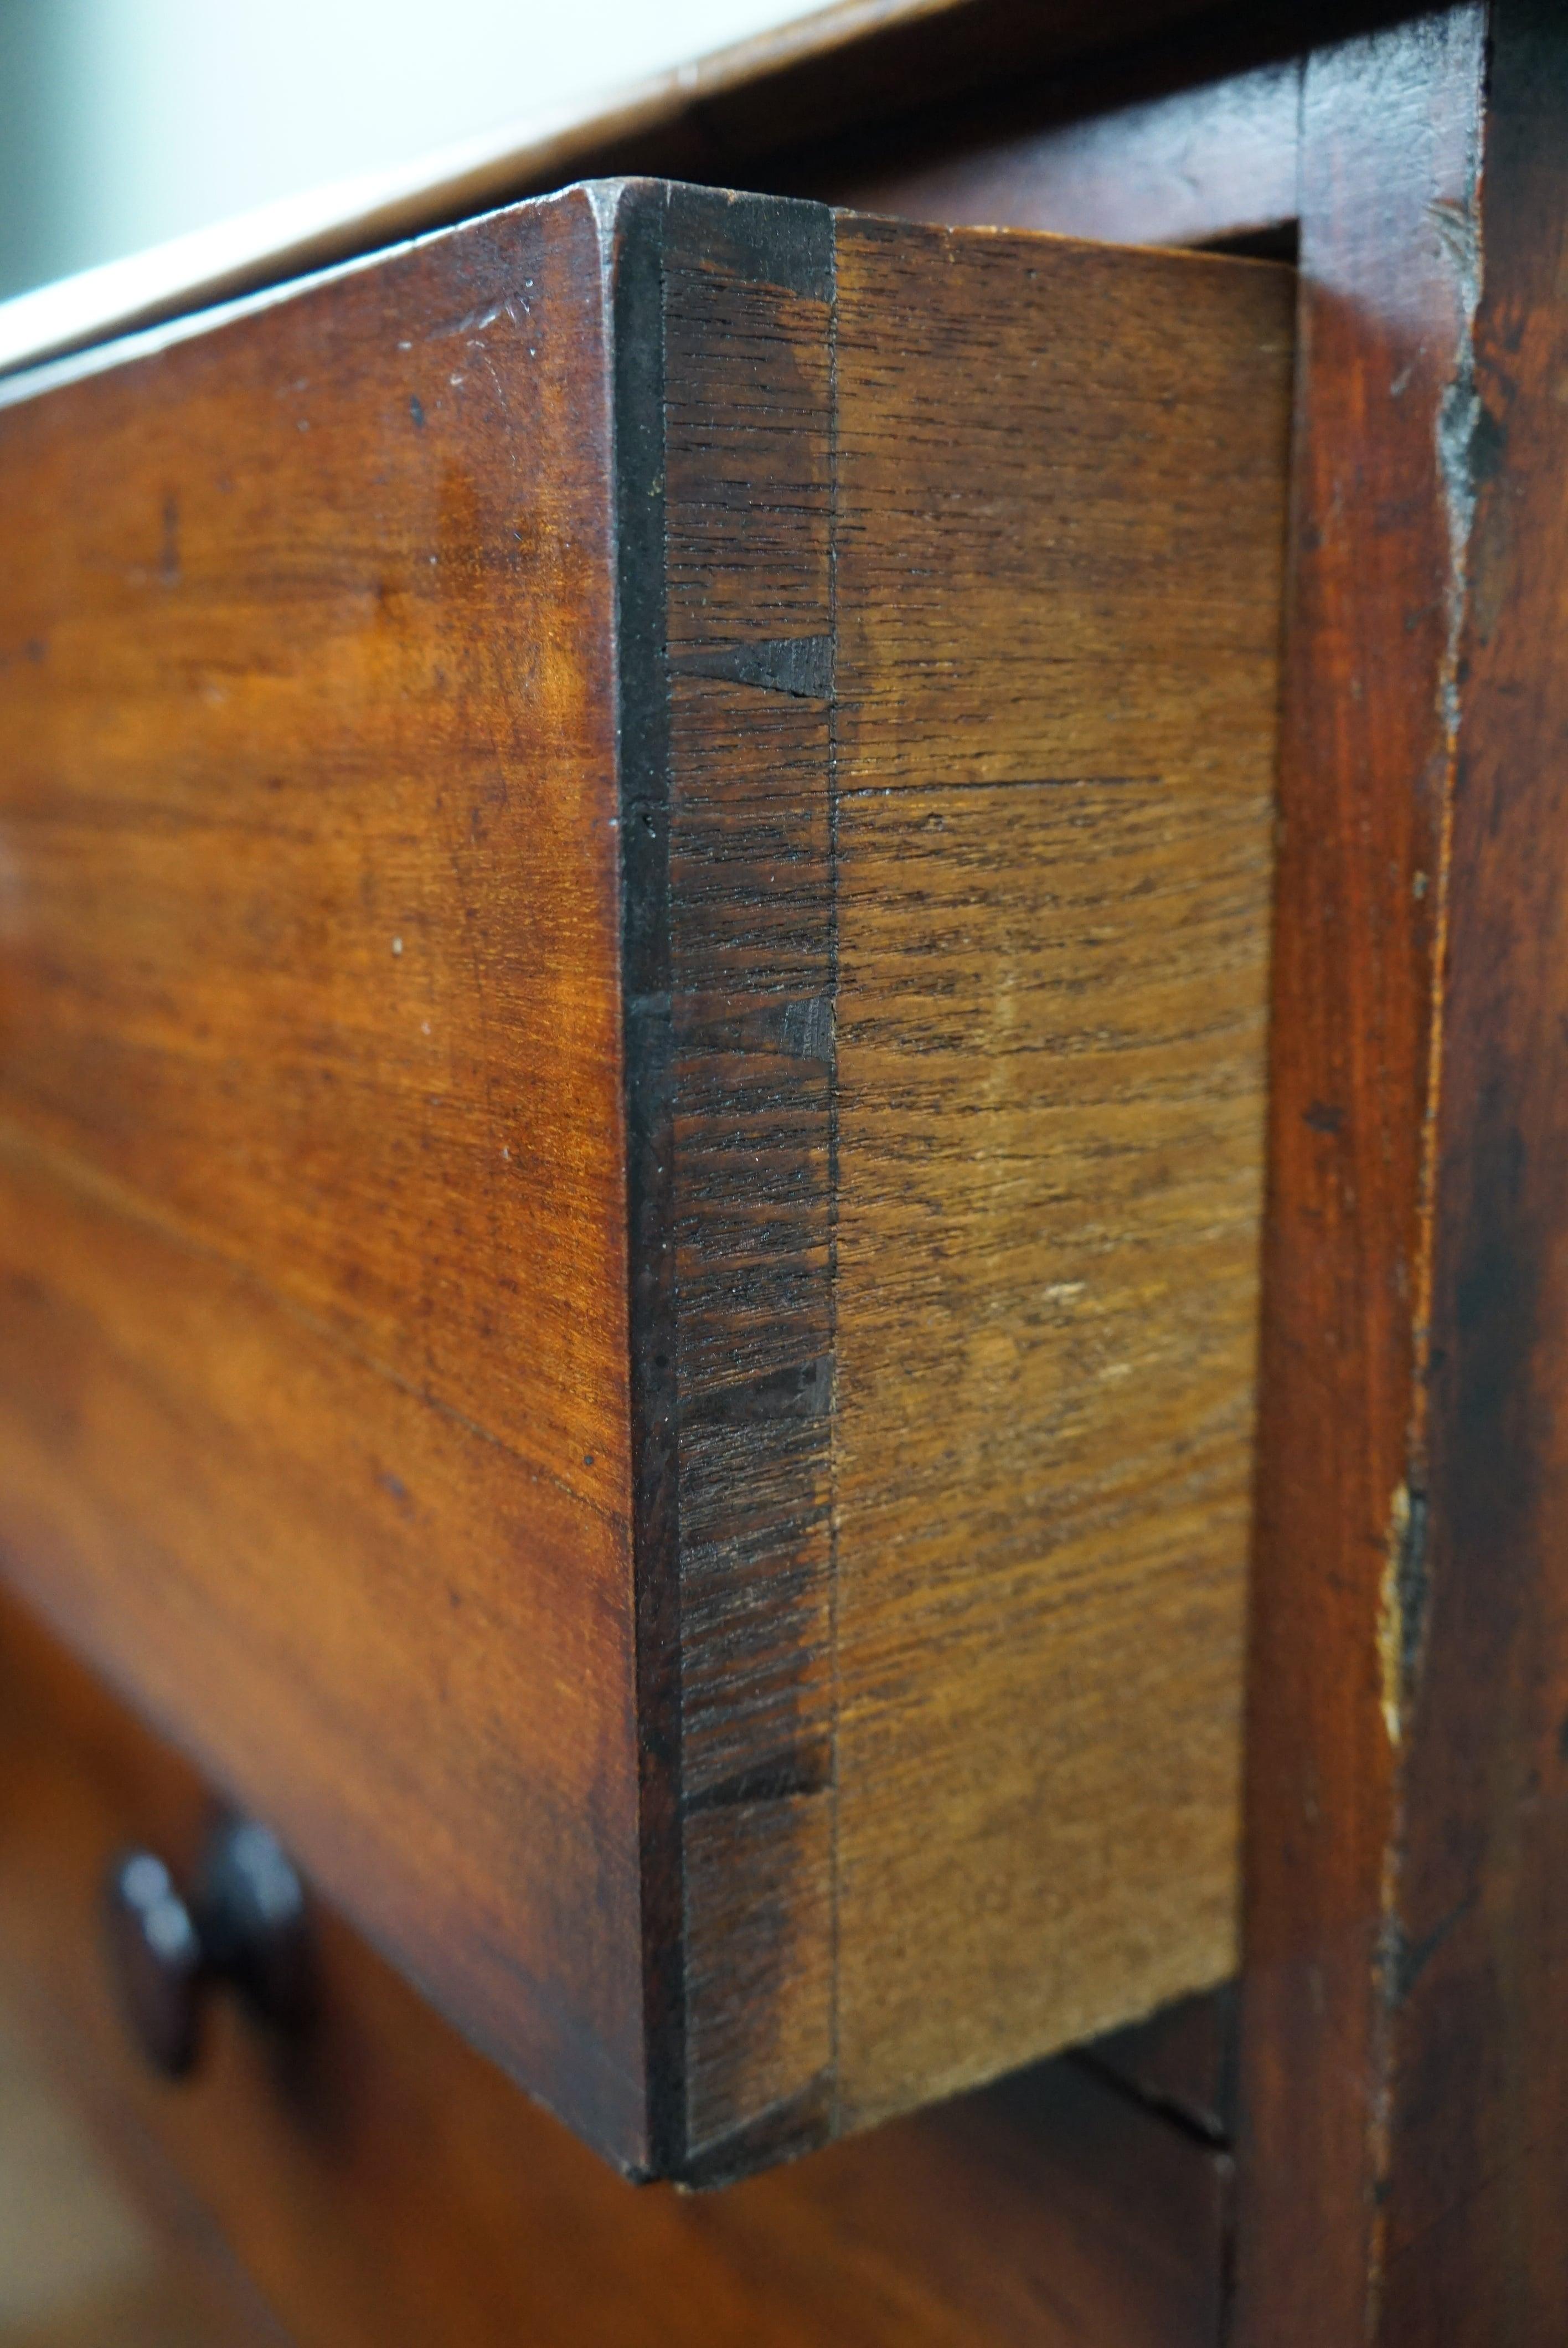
point(1059, 536)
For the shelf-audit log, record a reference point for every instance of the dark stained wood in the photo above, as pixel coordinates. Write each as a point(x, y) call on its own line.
point(385, 2187)
point(879, 61)
point(1477, 1964)
point(1182, 2060)
point(1184, 167)
point(748, 309)
point(1183, 137)
point(1403, 2116)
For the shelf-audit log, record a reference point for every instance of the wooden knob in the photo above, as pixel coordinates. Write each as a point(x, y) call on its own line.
point(244, 1924)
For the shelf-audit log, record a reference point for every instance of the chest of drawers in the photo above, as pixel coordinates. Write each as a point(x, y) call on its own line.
point(778, 1000)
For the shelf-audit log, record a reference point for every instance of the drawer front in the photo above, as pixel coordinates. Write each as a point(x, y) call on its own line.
point(385, 2186)
point(315, 1427)
point(636, 851)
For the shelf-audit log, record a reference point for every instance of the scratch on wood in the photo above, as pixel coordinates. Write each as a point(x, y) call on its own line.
point(1390, 1616)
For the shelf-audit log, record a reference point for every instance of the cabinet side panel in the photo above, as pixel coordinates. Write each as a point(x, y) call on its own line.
point(314, 1428)
point(1061, 481)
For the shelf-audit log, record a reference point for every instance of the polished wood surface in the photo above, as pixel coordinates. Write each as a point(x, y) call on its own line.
point(1478, 2061)
point(313, 1236)
point(1402, 2152)
point(382, 2185)
point(1404, 2097)
point(1366, 785)
point(705, 1502)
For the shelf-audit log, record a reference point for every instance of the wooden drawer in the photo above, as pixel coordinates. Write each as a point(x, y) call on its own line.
point(634, 861)
point(385, 2187)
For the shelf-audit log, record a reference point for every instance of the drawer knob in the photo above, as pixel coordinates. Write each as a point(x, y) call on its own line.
point(243, 1923)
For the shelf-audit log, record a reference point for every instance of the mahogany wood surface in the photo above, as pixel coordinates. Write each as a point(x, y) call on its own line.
point(1388, 257)
point(385, 2186)
point(1478, 2062)
point(316, 1425)
point(683, 1436)
point(1404, 2093)
point(1403, 2143)
point(1404, 2140)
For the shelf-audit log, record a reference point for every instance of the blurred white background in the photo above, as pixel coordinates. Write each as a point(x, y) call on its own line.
point(125, 121)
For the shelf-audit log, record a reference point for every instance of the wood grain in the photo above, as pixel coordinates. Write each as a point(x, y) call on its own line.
point(748, 287)
point(1402, 2136)
point(386, 2189)
point(1480, 2120)
point(631, 1110)
point(1389, 131)
point(1404, 2090)
point(316, 1430)
point(1055, 727)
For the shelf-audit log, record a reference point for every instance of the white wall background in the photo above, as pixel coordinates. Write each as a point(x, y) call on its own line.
point(125, 121)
